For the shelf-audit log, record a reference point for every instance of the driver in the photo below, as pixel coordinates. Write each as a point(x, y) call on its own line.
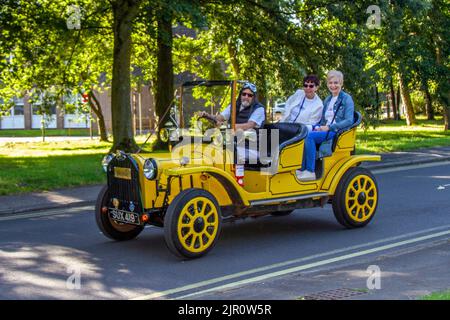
point(250, 113)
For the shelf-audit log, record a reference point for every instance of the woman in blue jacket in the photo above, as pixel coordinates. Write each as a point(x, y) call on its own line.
point(337, 115)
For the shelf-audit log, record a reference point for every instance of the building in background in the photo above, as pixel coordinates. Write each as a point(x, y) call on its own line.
point(25, 114)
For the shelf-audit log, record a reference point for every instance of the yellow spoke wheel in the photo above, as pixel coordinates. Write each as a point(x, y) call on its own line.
point(356, 198)
point(192, 223)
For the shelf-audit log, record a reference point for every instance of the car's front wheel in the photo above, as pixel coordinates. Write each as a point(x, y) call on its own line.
point(110, 228)
point(192, 223)
point(356, 198)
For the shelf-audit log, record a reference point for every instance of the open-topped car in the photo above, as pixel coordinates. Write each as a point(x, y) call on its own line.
point(210, 177)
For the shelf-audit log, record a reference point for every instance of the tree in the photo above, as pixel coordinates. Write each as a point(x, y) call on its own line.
point(124, 12)
point(439, 29)
point(54, 47)
point(164, 74)
point(406, 98)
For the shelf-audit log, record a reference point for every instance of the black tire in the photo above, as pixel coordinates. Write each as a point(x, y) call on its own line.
point(195, 232)
point(356, 198)
point(109, 227)
point(282, 213)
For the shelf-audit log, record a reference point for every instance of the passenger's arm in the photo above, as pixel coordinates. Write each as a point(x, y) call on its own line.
point(290, 103)
point(315, 117)
point(349, 110)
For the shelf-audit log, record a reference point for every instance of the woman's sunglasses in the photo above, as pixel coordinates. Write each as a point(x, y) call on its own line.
point(309, 85)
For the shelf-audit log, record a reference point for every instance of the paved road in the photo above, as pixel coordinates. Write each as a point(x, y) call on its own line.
point(41, 256)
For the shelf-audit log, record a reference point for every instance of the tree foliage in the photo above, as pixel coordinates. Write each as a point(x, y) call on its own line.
point(130, 43)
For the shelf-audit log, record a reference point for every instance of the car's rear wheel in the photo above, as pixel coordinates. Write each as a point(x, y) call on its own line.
point(192, 223)
point(356, 198)
point(109, 227)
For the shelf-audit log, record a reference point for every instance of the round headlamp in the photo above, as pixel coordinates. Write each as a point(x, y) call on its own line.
point(164, 135)
point(106, 160)
point(150, 169)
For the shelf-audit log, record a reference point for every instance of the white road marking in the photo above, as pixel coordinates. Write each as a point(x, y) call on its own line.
point(410, 167)
point(17, 216)
point(204, 283)
point(443, 187)
point(315, 264)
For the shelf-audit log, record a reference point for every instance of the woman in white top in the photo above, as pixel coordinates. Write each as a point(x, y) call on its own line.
point(338, 114)
point(305, 106)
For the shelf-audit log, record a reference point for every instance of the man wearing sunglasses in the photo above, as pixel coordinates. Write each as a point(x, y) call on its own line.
point(249, 112)
point(304, 106)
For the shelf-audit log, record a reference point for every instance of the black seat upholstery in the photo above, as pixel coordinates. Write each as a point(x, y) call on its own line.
point(288, 133)
point(287, 130)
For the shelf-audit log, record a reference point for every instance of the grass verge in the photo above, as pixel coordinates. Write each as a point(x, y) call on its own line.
point(43, 166)
point(445, 295)
point(48, 132)
point(39, 166)
point(397, 136)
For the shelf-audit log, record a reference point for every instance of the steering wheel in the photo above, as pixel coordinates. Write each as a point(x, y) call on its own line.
point(208, 117)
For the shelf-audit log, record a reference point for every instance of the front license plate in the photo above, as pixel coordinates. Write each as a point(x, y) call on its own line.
point(122, 173)
point(124, 216)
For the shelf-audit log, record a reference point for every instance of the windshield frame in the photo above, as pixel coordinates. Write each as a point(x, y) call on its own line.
point(211, 83)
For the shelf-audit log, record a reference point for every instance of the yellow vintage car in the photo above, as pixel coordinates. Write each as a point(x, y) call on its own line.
point(193, 189)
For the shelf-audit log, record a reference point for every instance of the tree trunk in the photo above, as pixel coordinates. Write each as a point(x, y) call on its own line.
point(377, 102)
point(96, 108)
point(388, 106)
point(429, 103)
point(392, 100)
point(446, 113)
point(164, 74)
point(406, 98)
point(443, 88)
point(398, 100)
point(124, 11)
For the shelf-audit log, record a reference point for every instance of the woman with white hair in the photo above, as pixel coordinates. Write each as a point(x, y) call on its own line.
point(337, 115)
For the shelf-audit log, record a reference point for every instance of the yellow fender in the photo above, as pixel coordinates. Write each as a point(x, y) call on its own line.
point(235, 191)
point(333, 177)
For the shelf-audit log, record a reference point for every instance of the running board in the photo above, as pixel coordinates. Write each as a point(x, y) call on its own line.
point(287, 199)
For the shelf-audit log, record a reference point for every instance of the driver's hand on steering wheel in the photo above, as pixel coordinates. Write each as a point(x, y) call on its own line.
point(206, 115)
point(201, 114)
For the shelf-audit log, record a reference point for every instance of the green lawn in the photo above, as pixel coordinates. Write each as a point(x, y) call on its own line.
point(50, 165)
point(37, 166)
point(445, 295)
point(396, 136)
point(48, 132)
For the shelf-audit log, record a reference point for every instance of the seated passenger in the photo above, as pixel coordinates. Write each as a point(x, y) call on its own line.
point(305, 106)
point(337, 115)
point(249, 112)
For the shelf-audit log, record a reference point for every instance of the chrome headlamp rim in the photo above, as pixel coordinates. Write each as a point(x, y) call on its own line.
point(150, 169)
point(164, 134)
